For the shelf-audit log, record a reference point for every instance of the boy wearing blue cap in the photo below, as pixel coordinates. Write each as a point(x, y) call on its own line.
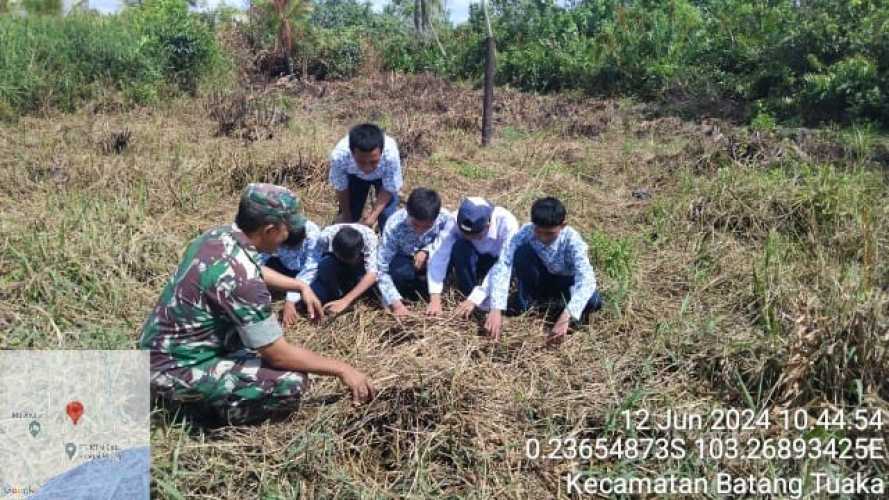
point(366, 158)
point(550, 262)
point(470, 250)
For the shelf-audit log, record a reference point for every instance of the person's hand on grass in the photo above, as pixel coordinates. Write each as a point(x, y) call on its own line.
point(464, 310)
point(560, 329)
point(494, 323)
point(399, 310)
point(434, 307)
point(337, 306)
point(313, 306)
point(289, 314)
point(359, 384)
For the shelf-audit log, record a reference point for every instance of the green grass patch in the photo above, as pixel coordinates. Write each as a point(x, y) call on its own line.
point(615, 259)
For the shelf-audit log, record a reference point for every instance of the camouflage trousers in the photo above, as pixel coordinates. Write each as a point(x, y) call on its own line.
point(234, 390)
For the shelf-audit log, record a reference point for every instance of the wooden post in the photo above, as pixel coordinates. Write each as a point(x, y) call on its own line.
point(488, 99)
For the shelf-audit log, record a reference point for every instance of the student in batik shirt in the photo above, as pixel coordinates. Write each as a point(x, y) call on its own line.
point(291, 259)
point(363, 159)
point(550, 262)
point(411, 238)
point(343, 265)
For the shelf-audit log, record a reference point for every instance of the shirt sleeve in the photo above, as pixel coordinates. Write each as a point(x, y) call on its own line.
point(371, 251)
point(387, 251)
point(247, 304)
point(505, 232)
point(584, 278)
point(338, 178)
point(501, 274)
point(392, 177)
point(313, 249)
point(263, 258)
point(440, 257)
point(292, 258)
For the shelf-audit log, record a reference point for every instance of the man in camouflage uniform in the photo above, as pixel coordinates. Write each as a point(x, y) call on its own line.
point(217, 348)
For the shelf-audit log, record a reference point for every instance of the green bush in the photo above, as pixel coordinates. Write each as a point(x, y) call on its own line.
point(333, 54)
point(59, 62)
point(145, 52)
point(182, 44)
point(847, 90)
point(821, 61)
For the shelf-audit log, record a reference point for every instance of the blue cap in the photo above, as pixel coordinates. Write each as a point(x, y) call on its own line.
point(474, 215)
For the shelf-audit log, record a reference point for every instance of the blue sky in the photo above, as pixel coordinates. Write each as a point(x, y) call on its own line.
point(459, 9)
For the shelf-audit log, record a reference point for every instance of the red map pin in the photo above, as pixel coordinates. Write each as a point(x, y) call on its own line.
point(75, 410)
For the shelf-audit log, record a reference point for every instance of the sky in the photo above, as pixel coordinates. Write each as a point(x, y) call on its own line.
point(459, 9)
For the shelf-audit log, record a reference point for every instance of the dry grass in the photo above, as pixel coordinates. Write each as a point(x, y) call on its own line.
point(736, 275)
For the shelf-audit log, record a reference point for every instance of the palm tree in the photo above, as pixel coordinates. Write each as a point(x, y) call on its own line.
point(289, 18)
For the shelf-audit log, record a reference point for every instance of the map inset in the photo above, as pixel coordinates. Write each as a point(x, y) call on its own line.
point(67, 410)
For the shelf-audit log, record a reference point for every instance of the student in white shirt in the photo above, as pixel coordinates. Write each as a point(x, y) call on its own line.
point(470, 250)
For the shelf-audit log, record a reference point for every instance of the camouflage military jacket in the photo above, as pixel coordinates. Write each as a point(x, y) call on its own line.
point(215, 299)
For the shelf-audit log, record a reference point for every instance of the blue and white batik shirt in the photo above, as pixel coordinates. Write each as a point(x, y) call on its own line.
point(342, 164)
point(565, 256)
point(324, 244)
point(399, 238)
point(295, 259)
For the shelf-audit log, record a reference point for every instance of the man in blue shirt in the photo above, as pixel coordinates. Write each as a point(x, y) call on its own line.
point(364, 158)
point(550, 262)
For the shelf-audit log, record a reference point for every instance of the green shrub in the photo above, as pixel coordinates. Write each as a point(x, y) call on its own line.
point(54, 62)
point(144, 53)
point(179, 40)
point(333, 54)
point(821, 61)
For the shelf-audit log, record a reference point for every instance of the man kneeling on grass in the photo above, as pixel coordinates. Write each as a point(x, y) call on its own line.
point(412, 236)
point(216, 347)
point(343, 265)
point(550, 262)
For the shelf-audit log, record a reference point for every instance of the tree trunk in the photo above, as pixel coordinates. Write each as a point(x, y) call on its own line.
point(417, 26)
point(424, 15)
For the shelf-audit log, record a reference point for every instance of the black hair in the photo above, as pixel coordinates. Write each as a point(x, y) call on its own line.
point(348, 244)
point(250, 218)
point(548, 212)
point(296, 238)
point(366, 137)
point(423, 204)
